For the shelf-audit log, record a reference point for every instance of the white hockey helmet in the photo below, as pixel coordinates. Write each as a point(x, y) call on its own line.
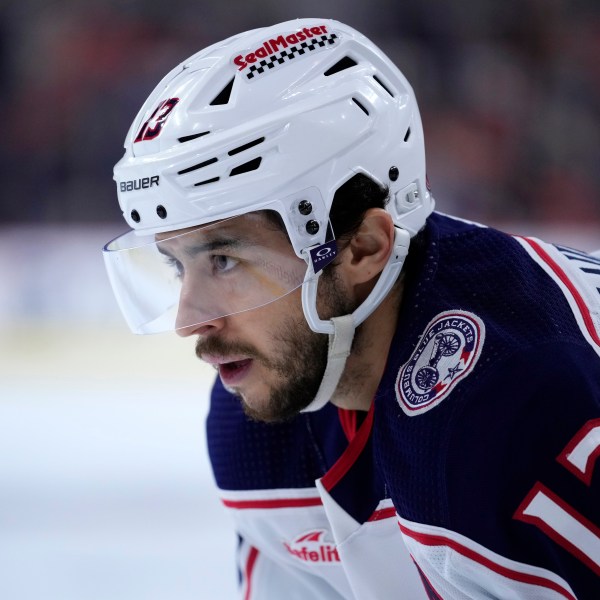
point(272, 119)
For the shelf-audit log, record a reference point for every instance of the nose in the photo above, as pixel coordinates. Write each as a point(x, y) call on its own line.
point(205, 329)
point(195, 318)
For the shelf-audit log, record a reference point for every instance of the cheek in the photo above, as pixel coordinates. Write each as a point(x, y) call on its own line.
point(333, 297)
point(271, 329)
point(289, 306)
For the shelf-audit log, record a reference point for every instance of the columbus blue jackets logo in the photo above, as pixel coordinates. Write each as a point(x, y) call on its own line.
point(445, 354)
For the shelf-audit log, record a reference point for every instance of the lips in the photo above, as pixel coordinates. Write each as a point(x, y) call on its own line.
point(231, 369)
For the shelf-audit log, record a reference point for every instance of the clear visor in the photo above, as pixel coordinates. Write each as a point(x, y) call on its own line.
point(182, 279)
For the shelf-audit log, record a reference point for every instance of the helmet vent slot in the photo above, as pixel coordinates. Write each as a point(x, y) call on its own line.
point(407, 135)
point(385, 87)
point(251, 165)
point(210, 161)
point(340, 65)
point(360, 106)
point(207, 181)
point(246, 146)
point(223, 96)
point(189, 138)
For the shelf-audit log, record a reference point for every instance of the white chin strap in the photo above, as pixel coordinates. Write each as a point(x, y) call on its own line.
point(340, 343)
point(341, 329)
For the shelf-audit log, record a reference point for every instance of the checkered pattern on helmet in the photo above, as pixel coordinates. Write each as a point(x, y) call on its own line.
point(289, 53)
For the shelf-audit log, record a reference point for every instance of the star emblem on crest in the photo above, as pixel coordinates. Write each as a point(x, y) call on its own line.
point(453, 371)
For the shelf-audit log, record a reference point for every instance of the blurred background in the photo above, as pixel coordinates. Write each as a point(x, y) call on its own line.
point(105, 489)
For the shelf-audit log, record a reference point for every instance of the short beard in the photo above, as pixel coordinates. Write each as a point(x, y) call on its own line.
point(300, 370)
point(302, 362)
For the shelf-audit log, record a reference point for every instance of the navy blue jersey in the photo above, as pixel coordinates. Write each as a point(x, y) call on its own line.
point(485, 426)
point(493, 377)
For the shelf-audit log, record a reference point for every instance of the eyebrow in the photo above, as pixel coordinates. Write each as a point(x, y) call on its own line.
point(209, 246)
point(216, 244)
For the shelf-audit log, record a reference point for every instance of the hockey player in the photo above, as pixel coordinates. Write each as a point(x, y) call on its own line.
point(433, 385)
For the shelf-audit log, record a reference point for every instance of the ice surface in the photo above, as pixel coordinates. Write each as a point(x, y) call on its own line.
point(105, 487)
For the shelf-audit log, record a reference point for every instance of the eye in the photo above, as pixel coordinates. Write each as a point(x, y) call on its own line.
point(173, 262)
point(222, 263)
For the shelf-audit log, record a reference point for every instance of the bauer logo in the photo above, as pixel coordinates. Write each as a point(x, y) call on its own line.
point(312, 547)
point(445, 354)
point(139, 184)
point(284, 48)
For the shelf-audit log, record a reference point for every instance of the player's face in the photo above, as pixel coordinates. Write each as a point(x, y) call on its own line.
point(268, 356)
point(227, 267)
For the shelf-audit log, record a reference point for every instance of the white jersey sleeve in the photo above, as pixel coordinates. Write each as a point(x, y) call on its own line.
point(263, 578)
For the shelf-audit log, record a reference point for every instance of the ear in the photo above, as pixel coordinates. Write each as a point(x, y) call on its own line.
point(368, 251)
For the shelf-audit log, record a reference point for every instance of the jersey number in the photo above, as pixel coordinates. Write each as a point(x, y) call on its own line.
point(557, 519)
point(153, 126)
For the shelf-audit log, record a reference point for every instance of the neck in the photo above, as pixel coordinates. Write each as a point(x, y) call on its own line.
point(367, 361)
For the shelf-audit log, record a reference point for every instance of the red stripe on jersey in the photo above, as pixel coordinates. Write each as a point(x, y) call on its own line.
point(248, 571)
point(583, 308)
point(439, 540)
point(383, 513)
point(272, 503)
point(348, 422)
point(350, 454)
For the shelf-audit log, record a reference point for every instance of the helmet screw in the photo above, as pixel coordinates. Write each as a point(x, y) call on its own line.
point(312, 227)
point(412, 196)
point(393, 173)
point(305, 207)
point(135, 216)
point(161, 211)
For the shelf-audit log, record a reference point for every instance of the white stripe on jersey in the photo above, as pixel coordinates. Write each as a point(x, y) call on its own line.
point(578, 277)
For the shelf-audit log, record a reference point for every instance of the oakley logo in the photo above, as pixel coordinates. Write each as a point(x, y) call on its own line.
point(153, 126)
point(322, 255)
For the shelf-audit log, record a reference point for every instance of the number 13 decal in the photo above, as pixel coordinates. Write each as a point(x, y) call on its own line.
point(153, 126)
point(557, 519)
